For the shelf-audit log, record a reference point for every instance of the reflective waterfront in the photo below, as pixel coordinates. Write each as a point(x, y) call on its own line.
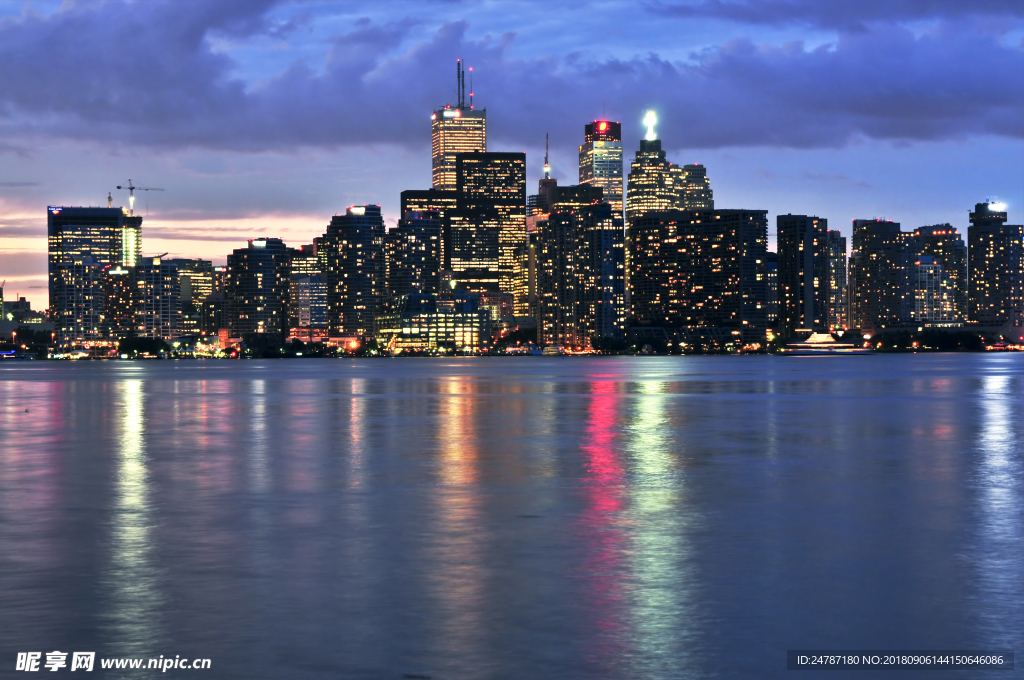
point(512, 518)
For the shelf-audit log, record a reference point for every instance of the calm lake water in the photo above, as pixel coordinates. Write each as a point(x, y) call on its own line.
point(530, 517)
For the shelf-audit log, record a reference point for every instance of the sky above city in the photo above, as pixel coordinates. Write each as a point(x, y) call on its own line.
point(262, 118)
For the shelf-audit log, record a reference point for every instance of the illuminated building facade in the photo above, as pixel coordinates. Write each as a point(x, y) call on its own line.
point(524, 281)
point(996, 283)
point(131, 240)
point(443, 203)
point(492, 193)
point(119, 293)
point(654, 183)
point(355, 271)
point(838, 306)
point(307, 302)
point(701, 270)
point(305, 260)
point(771, 277)
point(804, 276)
point(424, 322)
point(933, 293)
point(695, 189)
point(601, 160)
point(879, 292)
point(413, 256)
point(196, 278)
point(157, 299)
point(944, 243)
point(81, 244)
point(455, 130)
point(580, 270)
point(256, 289)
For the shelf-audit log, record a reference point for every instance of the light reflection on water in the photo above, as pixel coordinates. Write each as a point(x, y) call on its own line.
point(538, 518)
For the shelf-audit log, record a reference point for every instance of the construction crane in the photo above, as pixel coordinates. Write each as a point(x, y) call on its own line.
point(131, 194)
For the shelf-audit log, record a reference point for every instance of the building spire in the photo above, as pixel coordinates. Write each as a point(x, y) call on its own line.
point(547, 166)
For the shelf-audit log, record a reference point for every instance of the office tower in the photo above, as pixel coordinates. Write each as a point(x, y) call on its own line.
point(81, 242)
point(257, 288)
point(490, 185)
point(305, 260)
point(157, 299)
point(413, 255)
point(196, 279)
point(307, 301)
point(804, 296)
point(654, 183)
point(355, 270)
point(443, 203)
point(996, 288)
point(119, 293)
point(601, 160)
point(454, 130)
point(701, 270)
point(771, 277)
point(879, 295)
point(525, 281)
point(580, 270)
point(838, 307)
point(944, 243)
point(933, 293)
point(131, 240)
point(212, 317)
point(695, 189)
point(424, 322)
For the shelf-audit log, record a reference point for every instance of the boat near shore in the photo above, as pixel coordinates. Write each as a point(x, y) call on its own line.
point(821, 344)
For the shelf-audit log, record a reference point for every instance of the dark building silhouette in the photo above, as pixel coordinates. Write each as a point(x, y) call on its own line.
point(879, 294)
point(257, 288)
point(355, 271)
point(943, 243)
point(996, 288)
point(771, 277)
point(413, 255)
point(804, 276)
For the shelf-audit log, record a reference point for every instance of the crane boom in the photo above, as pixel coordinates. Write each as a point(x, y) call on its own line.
point(131, 194)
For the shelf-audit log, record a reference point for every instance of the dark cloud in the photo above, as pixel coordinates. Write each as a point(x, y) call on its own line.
point(17, 185)
point(845, 15)
point(150, 77)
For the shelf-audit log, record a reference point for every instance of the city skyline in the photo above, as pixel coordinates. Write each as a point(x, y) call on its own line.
point(221, 193)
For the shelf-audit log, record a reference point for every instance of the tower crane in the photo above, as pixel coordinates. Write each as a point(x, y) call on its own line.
point(131, 194)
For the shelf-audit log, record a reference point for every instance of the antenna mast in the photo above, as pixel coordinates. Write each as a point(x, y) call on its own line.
point(547, 167)
point(470, 87)
point(460, 85)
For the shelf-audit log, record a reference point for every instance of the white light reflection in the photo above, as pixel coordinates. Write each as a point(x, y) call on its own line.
point(136, 598)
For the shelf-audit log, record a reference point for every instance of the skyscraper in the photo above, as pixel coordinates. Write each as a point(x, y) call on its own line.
point(355, 270)
point(695, 188)
point(157, 290)
point(838, 305)
point(257, 288)
point(413, 256)
point(996, 288)
point(601, 160)
point(944, 243)
point(804, 294)
point(933, 292)
point(490, 186)
point(454, 130)
point(879, 292)
point(82, 242)
point(654, 183)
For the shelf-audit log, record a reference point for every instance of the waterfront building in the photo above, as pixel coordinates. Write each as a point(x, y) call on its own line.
point(838, 306)
point(996, 279)
point(580, 270)
point(425, 322)
point(355, 271)
point(600, 158)
point(944, 243)
point(119, 296)
point(879, 295)
point(257, 288)
point(491, 184)
point(934, 296)
point(81, 244)
point(771, 277)
point(804, 277)
point(307, 302)
point(413, 252)
point(701, 270)
point(212, 317)
point(524, 281)
point(454, 130)
point(157, 299)
point(196, 279)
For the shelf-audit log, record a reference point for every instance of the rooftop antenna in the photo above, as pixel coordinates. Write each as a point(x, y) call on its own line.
point(131, 194)
point(470, 87)
point(460, 85)
point(110, 200)
point(547, 167)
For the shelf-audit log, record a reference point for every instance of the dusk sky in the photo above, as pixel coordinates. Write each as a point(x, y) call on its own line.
point(264, 118)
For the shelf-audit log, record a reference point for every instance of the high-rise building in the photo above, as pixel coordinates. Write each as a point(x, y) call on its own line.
point(257, 288)
point(131, 240)
point(355, 270)
point(196, 277)
point(82, 242)
point(305, 260)
point(838, 306)
point(804, 277)
point(654, 183)
point(525, 281)
point(413, 255)
point(701, 270)
point(996, 283)
point(695, 189)
point(580, 269)
point(424, 322)
point(490, 186)
point(119, 296)
point(771, 277)
point(879, 290)
point(157, 299)
point(454, 130)
point(601, 160)
point(307, 301)
point(944, 243)
point(933, 293)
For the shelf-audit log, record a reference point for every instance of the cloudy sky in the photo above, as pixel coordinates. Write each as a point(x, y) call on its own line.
point(263, 118)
